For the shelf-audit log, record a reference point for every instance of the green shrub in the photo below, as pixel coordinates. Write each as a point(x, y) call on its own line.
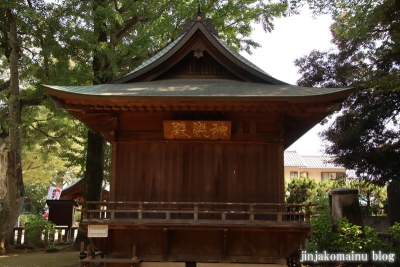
point(38, 231)
point(394, 230)
point(346, 237)
point(300, 190)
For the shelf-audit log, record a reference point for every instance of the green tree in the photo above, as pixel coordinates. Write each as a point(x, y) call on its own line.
point(25, 47)
point(373, 198)
point(15, 189)
point(364, 135)
point(35, 198)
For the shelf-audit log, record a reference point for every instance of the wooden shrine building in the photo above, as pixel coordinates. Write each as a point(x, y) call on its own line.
point(75, 192)
point(198, 135)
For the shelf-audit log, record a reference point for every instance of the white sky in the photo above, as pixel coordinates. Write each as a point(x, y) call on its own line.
point(292, 38)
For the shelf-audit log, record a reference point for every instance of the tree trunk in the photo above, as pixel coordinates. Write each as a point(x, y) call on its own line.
point(14, 183)
point(3, 171)
point(92, 188)
point(94, 167)
point(93, 184)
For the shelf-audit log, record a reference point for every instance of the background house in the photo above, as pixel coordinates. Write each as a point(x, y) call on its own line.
point(318, 168)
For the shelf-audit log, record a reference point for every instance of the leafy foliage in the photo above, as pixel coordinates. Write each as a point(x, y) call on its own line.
point(300, 190)
point(364, 136)
point(394, 230)
point(373, 198)
point(47, 133)
point(122, 34)
point(38, 231)
point(35, 198)
point(346, 238)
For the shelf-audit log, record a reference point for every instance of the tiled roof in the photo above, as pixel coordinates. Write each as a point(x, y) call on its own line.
point(320, 162)
point(156, 56)
point(198, 88)
point(293, 159)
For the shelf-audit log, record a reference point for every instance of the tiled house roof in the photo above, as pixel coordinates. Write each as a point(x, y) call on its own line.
point(293, 159)
point(320, 162)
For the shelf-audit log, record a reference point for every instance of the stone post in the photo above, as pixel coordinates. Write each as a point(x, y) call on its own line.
point(345, 204)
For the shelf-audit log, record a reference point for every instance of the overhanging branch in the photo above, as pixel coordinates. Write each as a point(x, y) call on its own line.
point(129, 25)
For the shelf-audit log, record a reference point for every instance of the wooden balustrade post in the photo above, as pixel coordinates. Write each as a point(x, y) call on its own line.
point(281, 210)
point(196, 210)
point(140, 215)
point(251, 212)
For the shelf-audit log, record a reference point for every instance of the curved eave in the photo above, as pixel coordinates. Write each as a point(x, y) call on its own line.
point(175, 46)
point(198, 90)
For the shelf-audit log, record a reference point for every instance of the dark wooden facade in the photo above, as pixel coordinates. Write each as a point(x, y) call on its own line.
point(198, 78)
point(205, 172)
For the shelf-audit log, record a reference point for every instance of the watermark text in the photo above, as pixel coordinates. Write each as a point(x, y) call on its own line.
point(324, 256)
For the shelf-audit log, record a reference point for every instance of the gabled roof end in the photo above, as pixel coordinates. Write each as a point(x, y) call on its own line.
point(199, 17)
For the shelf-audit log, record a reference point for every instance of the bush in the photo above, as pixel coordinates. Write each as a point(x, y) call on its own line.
point(38, 231)
point(394, 230)
point(300, 190)
point(346, 237)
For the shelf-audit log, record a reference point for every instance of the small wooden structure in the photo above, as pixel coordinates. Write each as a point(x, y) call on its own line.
point(75, 192)
point(198, 135)
point(62, 213)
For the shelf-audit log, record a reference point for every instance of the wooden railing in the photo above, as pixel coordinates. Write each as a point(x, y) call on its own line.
point(195, 211)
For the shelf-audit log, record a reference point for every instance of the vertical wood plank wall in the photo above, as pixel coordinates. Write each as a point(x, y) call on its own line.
point(209, 172)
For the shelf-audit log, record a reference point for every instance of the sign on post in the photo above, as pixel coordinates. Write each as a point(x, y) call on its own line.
point(98, 231)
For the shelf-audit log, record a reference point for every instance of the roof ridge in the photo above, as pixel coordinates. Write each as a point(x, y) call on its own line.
point(199, 22)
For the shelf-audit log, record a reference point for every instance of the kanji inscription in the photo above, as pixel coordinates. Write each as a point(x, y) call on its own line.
point(197, 130)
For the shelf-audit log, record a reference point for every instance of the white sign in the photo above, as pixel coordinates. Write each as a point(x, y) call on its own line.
point(54, 193)
point(98, 231)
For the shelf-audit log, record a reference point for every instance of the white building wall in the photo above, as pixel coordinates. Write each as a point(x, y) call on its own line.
point(312, 173)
